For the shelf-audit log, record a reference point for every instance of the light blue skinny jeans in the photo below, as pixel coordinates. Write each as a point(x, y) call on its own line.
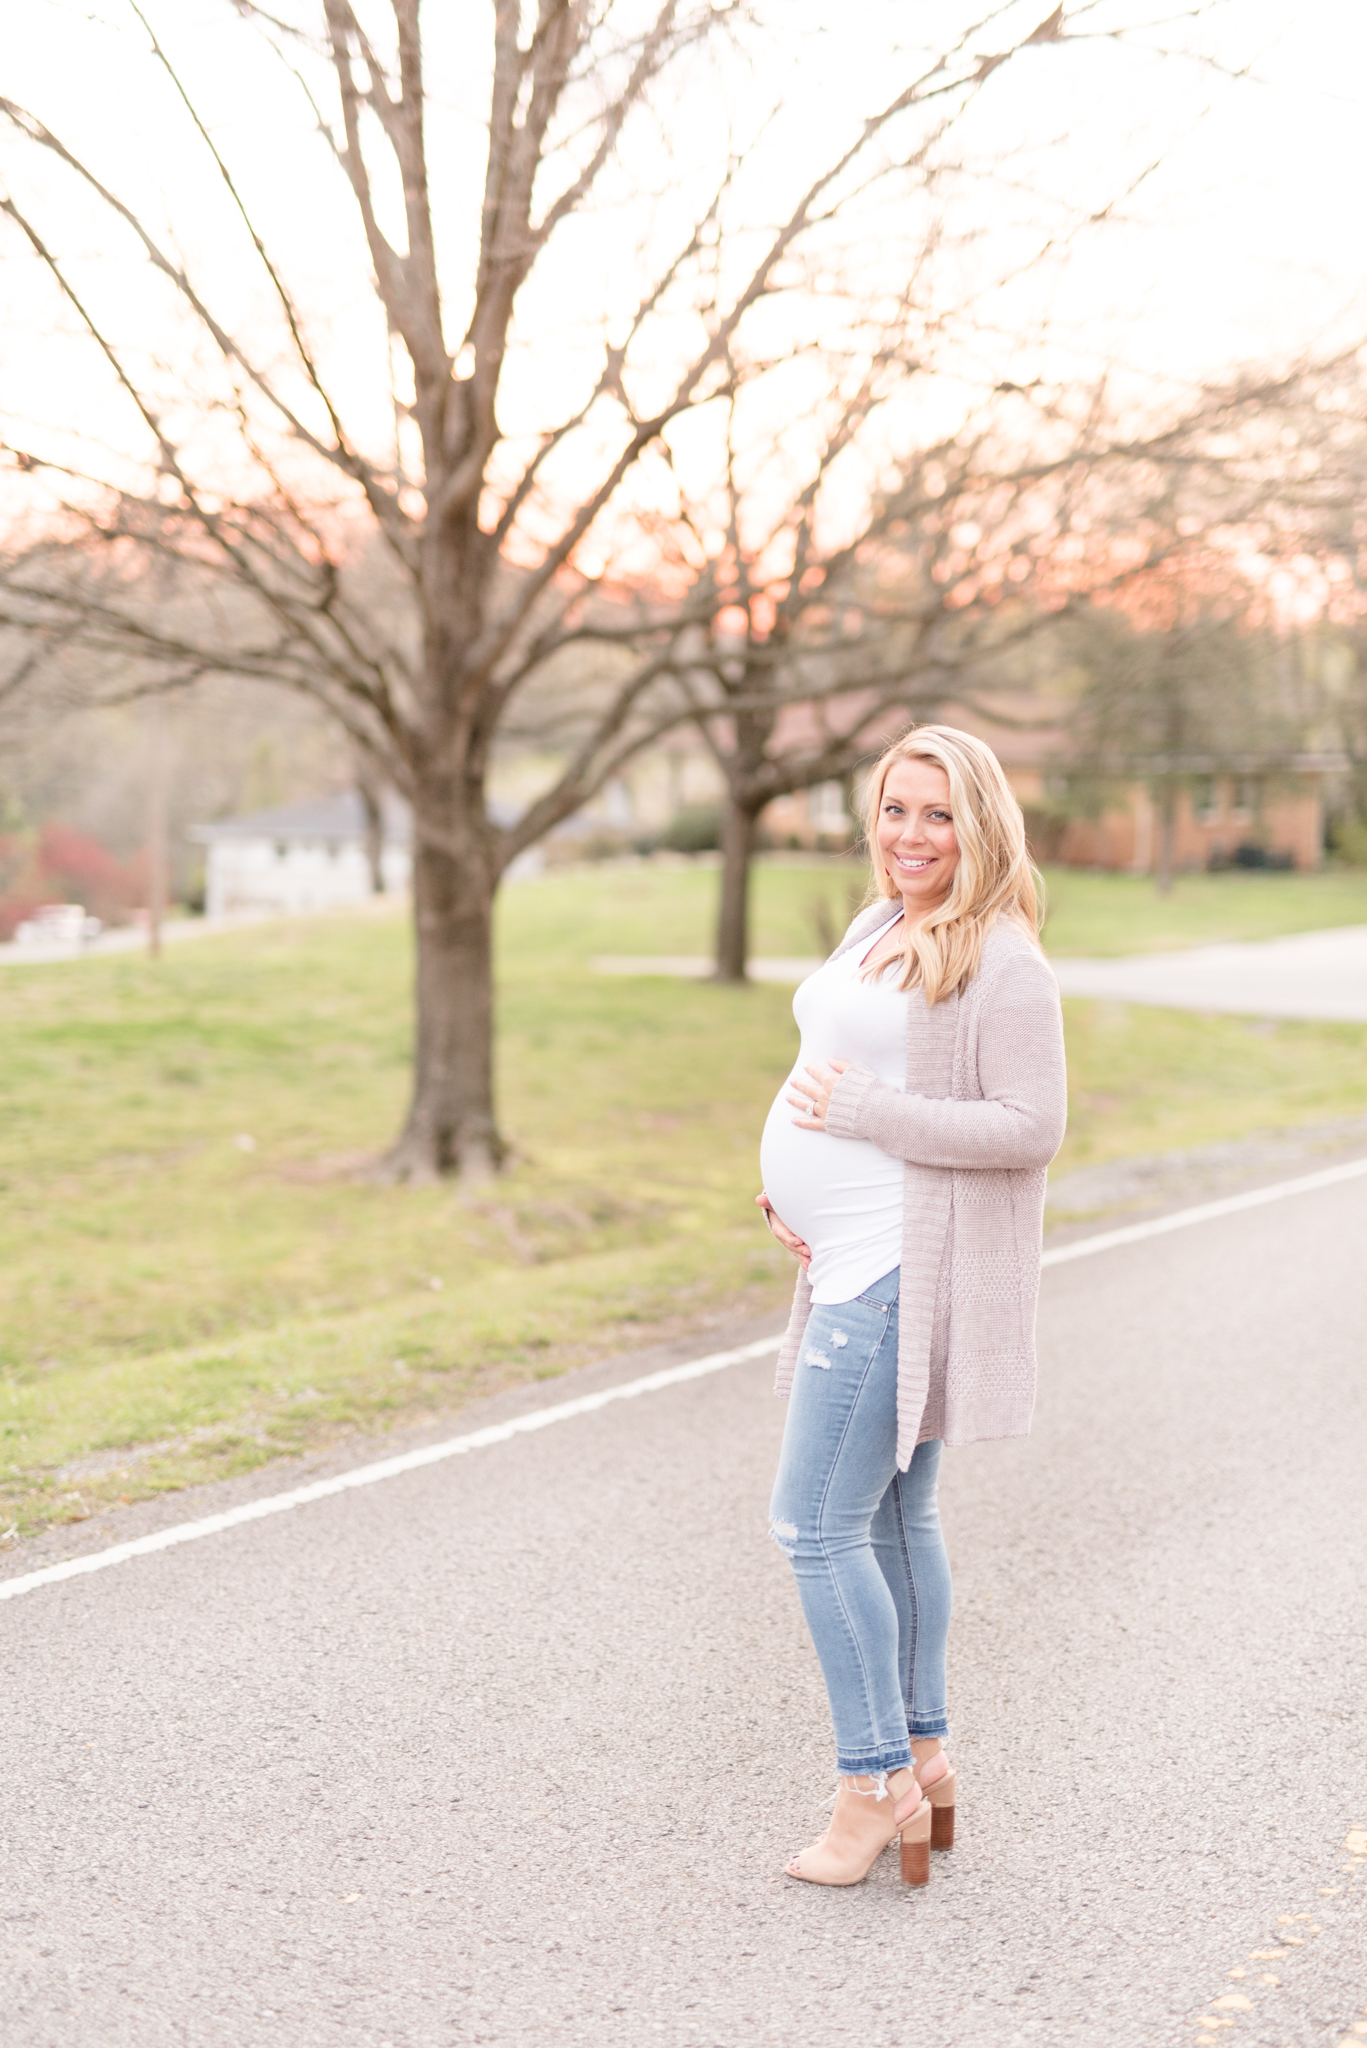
point(863, 1538)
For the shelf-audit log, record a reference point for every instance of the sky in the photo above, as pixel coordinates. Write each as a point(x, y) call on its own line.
point(1247, 240)
point(1223, 144)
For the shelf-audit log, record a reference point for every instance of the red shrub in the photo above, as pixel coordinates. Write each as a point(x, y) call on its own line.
point(66, 866)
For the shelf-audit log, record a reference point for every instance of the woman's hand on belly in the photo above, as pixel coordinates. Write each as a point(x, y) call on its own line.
point(789, 1239)
point(813, 1096)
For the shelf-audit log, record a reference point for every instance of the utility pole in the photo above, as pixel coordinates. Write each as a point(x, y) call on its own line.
point(156, 823)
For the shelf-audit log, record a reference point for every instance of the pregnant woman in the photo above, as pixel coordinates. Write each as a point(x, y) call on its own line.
point(904, 1164)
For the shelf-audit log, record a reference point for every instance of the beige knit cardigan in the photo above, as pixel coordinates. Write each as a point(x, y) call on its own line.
point(982, 1116)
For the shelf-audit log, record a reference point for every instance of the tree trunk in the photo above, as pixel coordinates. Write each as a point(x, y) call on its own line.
point(451, 1126)
point(733, 919)
point(1167, 836)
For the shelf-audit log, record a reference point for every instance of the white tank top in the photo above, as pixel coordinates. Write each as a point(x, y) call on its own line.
point(842, 1195)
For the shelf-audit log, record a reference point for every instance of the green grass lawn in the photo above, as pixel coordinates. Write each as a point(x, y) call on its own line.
point(1103, 915)
point(195, 1275)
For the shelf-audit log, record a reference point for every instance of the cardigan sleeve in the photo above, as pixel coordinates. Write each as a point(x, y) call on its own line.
point(1020, 1121)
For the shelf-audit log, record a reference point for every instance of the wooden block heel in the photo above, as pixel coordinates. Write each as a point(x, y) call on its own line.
point(941, 1797)
point(916, 1845)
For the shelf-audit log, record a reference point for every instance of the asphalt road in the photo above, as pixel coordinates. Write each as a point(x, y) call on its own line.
point(512, 1749)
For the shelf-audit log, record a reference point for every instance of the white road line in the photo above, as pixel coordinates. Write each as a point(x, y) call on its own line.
point(1206, 1212)
point(387, 1468)
point(652, 1383)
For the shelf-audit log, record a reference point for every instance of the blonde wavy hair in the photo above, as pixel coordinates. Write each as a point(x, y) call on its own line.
point(994, 880)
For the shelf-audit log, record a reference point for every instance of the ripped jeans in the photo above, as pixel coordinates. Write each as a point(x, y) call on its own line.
point(863, 1538)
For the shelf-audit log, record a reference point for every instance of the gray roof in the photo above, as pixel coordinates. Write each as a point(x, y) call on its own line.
point(339, 820)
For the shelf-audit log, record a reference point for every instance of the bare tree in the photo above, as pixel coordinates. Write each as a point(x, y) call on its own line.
point(822, 634)
point(818, 642)
point(1174, 700)
point(1315, 433)
point(1197, 662)
point(418, 593)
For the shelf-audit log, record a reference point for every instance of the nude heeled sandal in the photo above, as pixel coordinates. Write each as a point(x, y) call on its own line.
point(936, 1812)
point(862, 1833)
point(940, 1794)
point(917, 1837)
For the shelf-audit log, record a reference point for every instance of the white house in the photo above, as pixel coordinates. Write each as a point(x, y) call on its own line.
point(304, 856)
point(312, 856)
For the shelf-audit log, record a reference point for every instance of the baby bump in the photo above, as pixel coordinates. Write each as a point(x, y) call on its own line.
point(838, 1194)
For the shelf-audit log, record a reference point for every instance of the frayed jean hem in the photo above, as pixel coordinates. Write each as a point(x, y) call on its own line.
point(928, 1731)
point(877, 1763)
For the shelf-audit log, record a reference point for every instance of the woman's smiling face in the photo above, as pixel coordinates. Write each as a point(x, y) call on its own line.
point(916, 841)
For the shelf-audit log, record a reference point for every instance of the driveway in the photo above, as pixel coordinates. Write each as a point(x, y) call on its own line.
point(1321, 976)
